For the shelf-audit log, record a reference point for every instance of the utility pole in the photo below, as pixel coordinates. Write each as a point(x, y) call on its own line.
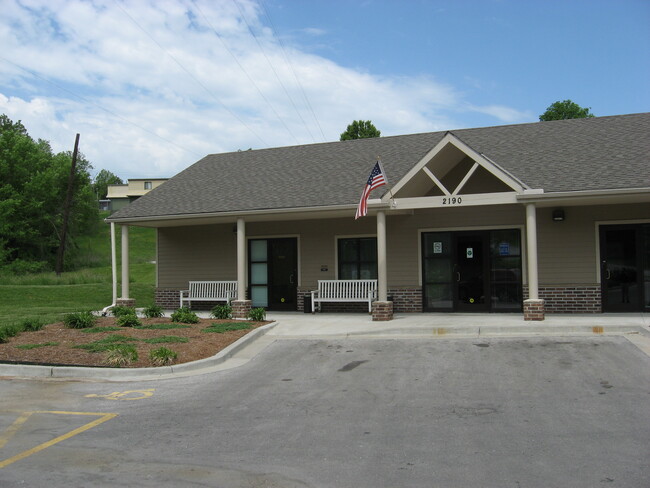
point(66, 209)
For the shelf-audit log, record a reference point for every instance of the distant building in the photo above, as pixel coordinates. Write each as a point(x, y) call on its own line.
point(119, 196)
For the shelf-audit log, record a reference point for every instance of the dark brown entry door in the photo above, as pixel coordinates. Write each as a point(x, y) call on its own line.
point(273, 273)
point(625, 267)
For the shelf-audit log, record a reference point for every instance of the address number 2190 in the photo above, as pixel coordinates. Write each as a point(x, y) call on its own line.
point(452, 201)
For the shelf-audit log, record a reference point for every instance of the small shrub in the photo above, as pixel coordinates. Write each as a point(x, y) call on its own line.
point(128, 321)
point(8, 331)
point(257, 314)
point(120, 311)
point(222, 312)
point(32, 325)
point(221, 328)
point(153, 312)
point(79, 320)
point(185, 316)
point(162, 356)
point(121, 355)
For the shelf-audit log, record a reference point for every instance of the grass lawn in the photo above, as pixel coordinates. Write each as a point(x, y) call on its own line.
point(46, 297)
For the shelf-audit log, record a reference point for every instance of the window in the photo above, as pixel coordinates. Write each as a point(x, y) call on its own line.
point(147, 185)
point(357, 258)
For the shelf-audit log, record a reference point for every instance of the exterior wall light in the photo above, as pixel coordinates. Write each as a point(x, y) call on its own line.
point(558, 215)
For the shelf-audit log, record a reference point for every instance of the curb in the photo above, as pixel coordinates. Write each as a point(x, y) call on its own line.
point(115, 374)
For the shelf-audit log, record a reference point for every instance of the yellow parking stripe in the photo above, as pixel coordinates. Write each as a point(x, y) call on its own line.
point(16, 425)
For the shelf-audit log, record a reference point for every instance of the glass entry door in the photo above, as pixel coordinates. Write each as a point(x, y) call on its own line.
point(625, 267)
point(472, 271)
point(273, 273)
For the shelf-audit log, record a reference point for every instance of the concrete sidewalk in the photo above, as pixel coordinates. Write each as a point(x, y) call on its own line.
point(294, 325)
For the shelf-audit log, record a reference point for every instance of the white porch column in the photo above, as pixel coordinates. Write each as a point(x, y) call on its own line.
point(382, 279)
point(125, 262)
point(241, 259)
point(533, 307)
point(113, 262)
point(531, 247)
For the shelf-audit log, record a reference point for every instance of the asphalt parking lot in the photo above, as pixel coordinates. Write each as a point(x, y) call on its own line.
point(491, 412)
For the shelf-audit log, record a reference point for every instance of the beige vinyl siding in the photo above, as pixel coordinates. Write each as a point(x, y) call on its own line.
point(196, 253)
point(568, 250)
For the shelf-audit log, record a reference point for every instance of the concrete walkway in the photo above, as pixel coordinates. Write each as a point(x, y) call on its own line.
point(294, 325)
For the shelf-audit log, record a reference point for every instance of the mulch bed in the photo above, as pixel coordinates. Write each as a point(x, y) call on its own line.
point(200, 344)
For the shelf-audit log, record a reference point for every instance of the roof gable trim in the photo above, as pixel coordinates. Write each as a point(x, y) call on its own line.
point(479, 160)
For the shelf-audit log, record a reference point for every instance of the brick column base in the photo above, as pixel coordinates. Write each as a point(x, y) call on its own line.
point(125, 302)
point(241, 308)
point(533, 309)
point(382, 311)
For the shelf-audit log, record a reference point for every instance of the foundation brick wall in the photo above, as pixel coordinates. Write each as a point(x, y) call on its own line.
point(570, 299)
point(406, 300)
point(167, 298)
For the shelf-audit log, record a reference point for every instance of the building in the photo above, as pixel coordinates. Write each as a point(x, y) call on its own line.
point(546, 217)
point(119, 196)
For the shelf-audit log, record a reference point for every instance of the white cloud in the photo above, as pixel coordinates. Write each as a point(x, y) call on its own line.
point(151, 87)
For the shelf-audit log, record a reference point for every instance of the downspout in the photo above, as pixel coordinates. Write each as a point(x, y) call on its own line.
point(113, 269)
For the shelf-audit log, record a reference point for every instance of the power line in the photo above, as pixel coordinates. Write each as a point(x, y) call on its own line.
point(271, 65)
point(286, 58)
point(245, 72)
point(89, 102)
point(192, 76)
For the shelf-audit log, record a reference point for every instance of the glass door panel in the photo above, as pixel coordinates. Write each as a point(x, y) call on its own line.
point(620, 277)
point(470, 273)
point(505, 270)
point(437, 255)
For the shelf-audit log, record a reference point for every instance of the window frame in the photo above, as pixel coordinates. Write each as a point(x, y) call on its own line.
point(358, 261)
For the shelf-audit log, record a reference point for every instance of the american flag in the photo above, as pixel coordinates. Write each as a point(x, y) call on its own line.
point(375, 180)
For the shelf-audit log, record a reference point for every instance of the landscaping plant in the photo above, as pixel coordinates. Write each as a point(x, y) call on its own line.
point(79, 320)
point(162, 356)
point(8, 331)
point(257, 314)
point(121, 355)
point(128, 321)
point(120, 311)
point(185, 316)
point(222, 312)
point(32, 325)
point(153, 312)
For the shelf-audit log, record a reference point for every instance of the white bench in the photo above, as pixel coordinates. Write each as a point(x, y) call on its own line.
point(209, 291)
point(344, 291)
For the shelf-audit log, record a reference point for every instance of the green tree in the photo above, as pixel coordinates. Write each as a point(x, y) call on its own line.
point(102, 180)
point(565, 110)
point(33, 184)
point(360, 129)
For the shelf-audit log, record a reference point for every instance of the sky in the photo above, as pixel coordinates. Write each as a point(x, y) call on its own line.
point(152, 86)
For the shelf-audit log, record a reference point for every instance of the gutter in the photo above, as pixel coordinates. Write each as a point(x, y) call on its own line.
point(372, 203)
point(537, 196)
